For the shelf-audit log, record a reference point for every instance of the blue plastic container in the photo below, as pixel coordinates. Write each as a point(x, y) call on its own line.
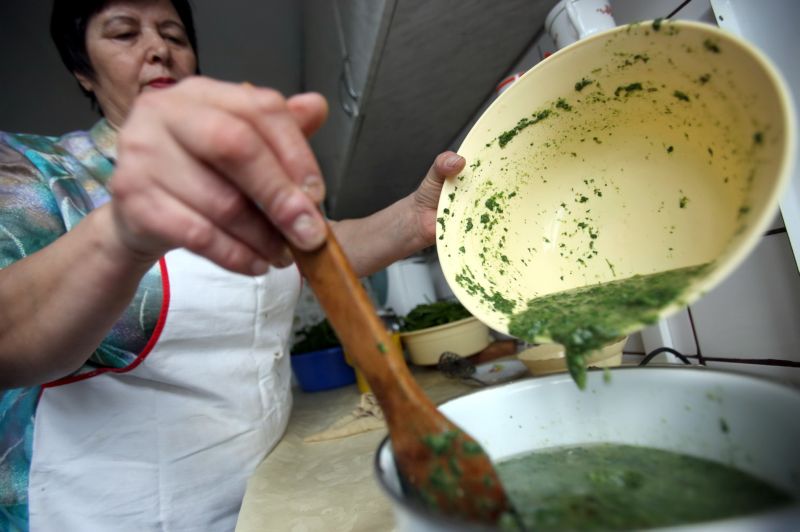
point(322, 370)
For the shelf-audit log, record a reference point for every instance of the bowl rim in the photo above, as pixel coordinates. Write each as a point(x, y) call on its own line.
point(442, 327)
point(419, 510)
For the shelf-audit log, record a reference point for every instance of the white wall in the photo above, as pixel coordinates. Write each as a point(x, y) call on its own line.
point(754, 313)
point(260, 42)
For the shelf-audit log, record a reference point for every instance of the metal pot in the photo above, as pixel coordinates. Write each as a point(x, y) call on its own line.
point(747, 422)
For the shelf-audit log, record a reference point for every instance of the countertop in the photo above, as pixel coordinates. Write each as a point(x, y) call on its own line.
point(330, 485)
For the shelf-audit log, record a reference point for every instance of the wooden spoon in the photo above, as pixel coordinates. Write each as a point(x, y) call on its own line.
point(439, 463)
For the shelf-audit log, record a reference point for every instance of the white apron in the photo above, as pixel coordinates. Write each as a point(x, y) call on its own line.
point(169, 445)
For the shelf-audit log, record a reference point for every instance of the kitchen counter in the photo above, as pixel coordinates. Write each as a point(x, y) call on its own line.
point(330, 485)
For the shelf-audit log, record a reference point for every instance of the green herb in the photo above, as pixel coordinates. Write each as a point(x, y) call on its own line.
point(588, 318)
point(382, 348)
point(711, 46)
point(681, 96)
point(440, 443)
point(657, 24)
point(704, 79)
point(758, 137)
point(433, 314)
point(683, 201)
point(562, 104)
point(470, 447)
point(506, 137)
point(670, 149)
point(579, 86)
point(628, 88)
point(315, 338)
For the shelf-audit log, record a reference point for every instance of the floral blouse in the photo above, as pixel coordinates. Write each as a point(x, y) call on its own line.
point(47, 186)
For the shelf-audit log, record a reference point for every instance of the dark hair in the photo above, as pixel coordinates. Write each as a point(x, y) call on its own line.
point(69, 20)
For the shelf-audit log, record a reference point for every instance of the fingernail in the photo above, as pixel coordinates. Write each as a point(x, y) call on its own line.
point(314, 188)
point(259, 267)
point(308, 231)
point(454, 161)
point(285, 259)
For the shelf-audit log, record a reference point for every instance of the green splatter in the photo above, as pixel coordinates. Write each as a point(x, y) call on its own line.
point(711, 46)
point(681, 95)
point(440, 443)
point(506, 137)
point(588, 318)
point(471, 448)
point(582, 84)
point(631, 87)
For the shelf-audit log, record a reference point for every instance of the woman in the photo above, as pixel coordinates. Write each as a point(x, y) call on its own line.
point(146, 290)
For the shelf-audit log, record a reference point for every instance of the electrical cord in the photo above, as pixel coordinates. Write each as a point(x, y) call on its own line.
point(652, 354)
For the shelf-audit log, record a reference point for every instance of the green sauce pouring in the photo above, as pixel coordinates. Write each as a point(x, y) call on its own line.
point(587, 318)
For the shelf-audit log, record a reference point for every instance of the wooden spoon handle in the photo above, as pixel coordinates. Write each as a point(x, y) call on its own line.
point(352, 315)
point(440, 464)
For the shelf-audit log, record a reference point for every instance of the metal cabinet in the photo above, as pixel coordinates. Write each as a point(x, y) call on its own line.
point(402, 78)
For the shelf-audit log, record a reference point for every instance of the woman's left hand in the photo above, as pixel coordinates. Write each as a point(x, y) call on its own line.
point(426, 197)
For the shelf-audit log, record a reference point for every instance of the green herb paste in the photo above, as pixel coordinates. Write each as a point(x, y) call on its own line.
point(624, 487)
point(588, 318)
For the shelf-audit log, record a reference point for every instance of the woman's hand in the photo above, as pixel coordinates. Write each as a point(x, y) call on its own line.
point(426, 197)
point(401, 229)
point(221, 169)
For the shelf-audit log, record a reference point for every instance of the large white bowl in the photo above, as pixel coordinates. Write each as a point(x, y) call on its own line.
point(637, 150)
point(672, 408)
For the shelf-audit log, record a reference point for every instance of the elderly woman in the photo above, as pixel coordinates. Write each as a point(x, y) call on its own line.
point(146, 290)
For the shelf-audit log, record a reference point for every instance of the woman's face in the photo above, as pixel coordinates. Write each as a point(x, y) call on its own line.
point(135, 46)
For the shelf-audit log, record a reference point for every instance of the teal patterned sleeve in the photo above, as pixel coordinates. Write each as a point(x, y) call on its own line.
point(29, 215)
point(47, 186)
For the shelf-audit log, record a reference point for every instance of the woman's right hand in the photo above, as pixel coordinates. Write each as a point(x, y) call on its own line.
point(221, 169)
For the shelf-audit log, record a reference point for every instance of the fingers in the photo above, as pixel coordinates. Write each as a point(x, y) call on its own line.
point(236, 150)
point(309, 110)
point(223, 170)
point(269, 114)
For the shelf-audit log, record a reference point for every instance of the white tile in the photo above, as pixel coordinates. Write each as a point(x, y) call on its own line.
point(754, 313)
point(680, 326)
point(627, 11)
point(785, 375)
point(634, 344)
point(698, 10)
point(777, 222)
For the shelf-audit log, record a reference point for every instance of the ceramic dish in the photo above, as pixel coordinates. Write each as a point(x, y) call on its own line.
point(463, 337)
point(643, 149)
point(545, 359)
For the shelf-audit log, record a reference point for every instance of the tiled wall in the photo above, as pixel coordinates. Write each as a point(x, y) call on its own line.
point(755, 313)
